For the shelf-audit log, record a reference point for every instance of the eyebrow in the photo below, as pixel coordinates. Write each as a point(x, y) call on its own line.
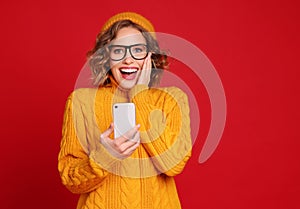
point(145, 44)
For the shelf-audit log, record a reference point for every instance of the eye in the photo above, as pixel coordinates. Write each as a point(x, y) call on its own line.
point(117, 50)
point(138, 49)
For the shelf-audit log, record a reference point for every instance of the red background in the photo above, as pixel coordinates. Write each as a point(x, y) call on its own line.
point(254, 45)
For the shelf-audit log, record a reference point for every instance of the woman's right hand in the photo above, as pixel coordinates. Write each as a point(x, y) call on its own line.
point(121, 147)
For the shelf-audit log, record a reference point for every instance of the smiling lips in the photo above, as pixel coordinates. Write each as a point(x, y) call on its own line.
point(128, 73)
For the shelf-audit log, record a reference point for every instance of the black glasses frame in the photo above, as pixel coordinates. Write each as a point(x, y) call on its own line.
point(129, 47)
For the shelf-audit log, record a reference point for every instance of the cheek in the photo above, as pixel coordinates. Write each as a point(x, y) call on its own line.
point(114, 66)
point(140, 63)
point(114, 73)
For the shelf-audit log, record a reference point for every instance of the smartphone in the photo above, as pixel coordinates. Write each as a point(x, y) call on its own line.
point(123, 117)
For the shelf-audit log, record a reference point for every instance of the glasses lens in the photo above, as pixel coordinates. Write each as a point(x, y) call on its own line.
point(138, 51)
point(117, 52)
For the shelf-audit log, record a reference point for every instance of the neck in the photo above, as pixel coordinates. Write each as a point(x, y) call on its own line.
point(120, 94)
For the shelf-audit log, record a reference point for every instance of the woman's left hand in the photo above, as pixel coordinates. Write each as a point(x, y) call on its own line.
point(144, 77)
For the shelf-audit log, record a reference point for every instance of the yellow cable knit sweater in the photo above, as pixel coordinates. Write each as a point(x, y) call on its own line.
point(142, 181)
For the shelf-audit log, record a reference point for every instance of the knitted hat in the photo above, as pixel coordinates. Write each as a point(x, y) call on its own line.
point(134, 17)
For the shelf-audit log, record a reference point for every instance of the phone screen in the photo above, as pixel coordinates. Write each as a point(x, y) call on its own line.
point(124, 118)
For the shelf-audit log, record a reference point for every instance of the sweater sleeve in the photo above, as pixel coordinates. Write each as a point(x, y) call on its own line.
point(78, 170)
point(165, 127)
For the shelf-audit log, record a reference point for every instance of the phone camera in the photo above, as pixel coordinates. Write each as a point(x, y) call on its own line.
point(116, 106)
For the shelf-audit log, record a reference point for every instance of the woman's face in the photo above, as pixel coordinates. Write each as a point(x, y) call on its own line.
point(127, 70)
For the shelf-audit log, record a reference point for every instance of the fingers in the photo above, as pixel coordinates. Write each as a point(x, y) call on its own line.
point(136, 137)
point(131, 149)
point(147, 63)
point(131, 133)
point(130, 143)
point(144, 77)
point(121, 147)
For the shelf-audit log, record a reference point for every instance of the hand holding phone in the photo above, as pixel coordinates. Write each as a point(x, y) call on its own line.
point(126, 134)
point(121, 147)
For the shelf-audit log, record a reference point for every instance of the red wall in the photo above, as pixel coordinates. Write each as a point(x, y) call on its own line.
point(254, 46)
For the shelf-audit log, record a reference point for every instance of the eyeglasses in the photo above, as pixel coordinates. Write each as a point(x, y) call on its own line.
point(137, 51)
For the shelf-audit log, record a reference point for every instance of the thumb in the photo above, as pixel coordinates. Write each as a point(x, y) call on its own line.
point(108, 131)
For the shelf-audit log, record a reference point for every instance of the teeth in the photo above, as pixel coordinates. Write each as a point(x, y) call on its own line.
point(130, 70)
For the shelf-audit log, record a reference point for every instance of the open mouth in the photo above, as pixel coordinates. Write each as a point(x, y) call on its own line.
point(128, 73)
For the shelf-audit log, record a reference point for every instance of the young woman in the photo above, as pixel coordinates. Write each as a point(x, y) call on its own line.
point(134, 170)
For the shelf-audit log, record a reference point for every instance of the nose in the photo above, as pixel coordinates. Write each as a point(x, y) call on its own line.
point(128, 58)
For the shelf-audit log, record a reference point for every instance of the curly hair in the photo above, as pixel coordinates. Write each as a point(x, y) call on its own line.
point(98, 56)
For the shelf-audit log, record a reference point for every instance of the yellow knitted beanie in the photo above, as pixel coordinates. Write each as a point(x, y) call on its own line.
point(134, 17)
